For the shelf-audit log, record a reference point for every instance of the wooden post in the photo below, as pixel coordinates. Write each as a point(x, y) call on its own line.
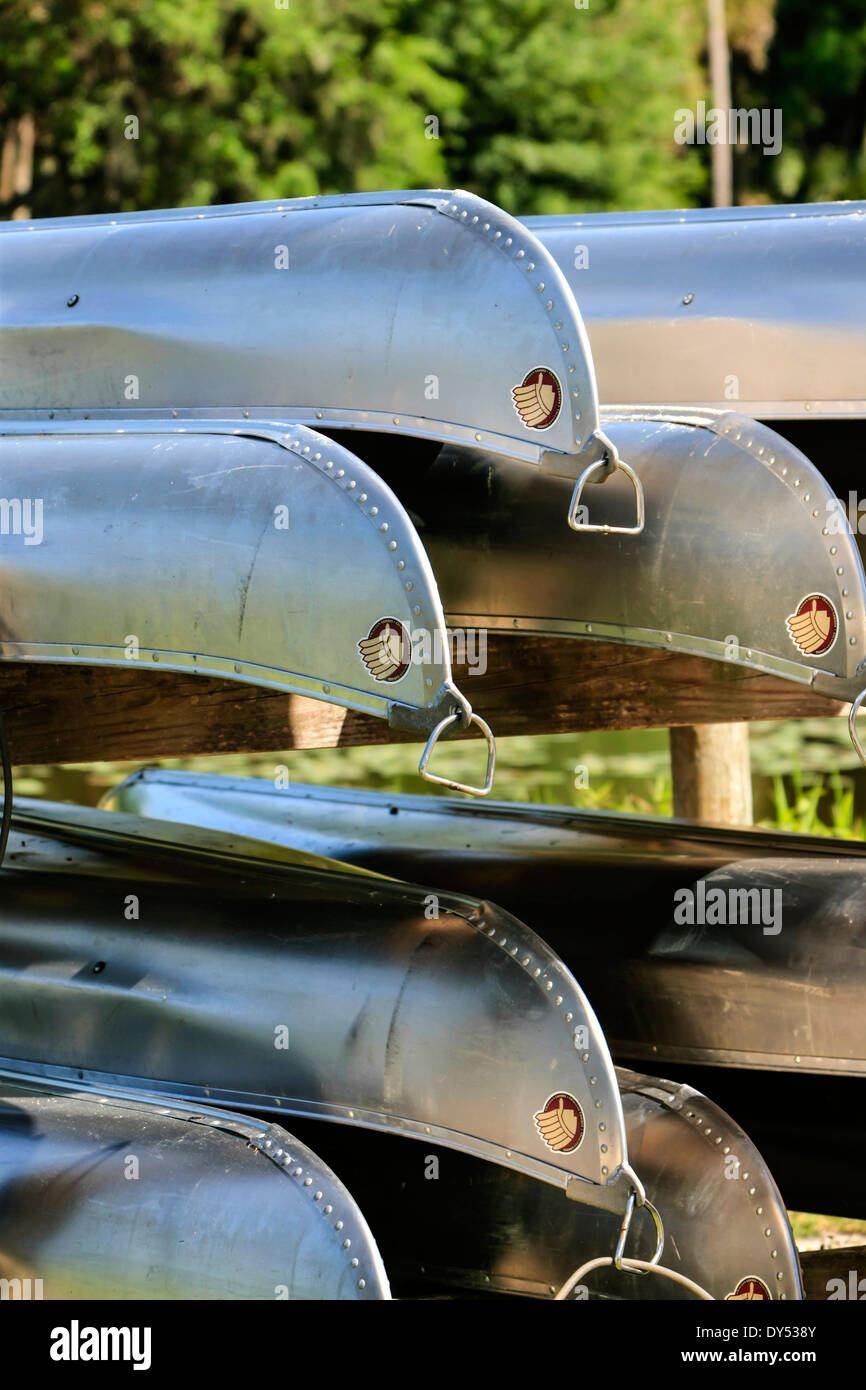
point(710, 768)
point(720, 82)
point(711, 773)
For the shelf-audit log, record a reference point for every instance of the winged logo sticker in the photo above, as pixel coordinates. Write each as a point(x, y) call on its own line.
point(814, 626)
point(561, 1123)
point(750, 1289)
point(538, 398)
point(385, 651)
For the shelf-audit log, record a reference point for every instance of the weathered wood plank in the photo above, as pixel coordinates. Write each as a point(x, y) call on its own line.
point(61, 714)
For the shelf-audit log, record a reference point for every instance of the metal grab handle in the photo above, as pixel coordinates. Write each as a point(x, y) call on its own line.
point(626, 1223)
point(446, 781)
point(852, 726)
point(584, 479)
point(627, 1265)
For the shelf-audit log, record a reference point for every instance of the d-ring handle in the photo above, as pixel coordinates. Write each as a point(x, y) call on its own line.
point(624, 1229)
point(607, 530)
point(446, 781)
point(852, 726)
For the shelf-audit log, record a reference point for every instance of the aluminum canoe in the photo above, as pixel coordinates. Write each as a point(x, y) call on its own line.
point(447, 1223)
point(781, 990)
point(742, 558)
point(258, 553)
point(769, 1023)
point(427, 312)
point(763, 307)
point(110, 1196)
point(191, 964)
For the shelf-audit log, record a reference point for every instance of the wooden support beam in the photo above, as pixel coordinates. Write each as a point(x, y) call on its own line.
point(63, 714)
point(711, 773)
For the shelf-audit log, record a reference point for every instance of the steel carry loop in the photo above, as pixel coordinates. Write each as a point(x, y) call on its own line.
point(627, 1265)
point(606, 466)
point(467, 717)
point(852, 726)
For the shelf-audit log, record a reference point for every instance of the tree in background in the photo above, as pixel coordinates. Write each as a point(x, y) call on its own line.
point(809, 61)
point(540, 105)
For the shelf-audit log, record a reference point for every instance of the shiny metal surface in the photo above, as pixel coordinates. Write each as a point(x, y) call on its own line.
point(787, 999)
point(736, 540)
point(476, 1227)
point(418, 312)
point(172, 960)
point(762, 306)
point(287, 551)
point(110, 1197)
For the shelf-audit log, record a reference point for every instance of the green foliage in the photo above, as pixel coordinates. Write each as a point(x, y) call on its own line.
point(540, 106)
point(815, 73)
point(233, 101)
point(567, 108)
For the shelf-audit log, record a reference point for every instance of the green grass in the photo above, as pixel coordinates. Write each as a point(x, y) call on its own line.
point(806, 776)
